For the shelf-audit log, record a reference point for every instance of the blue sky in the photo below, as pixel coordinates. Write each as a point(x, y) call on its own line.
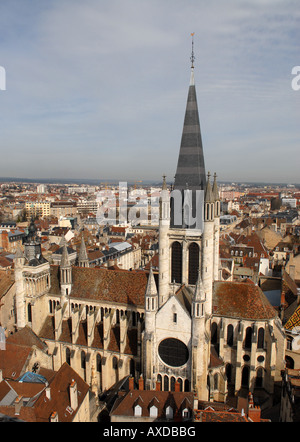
point(97, 89)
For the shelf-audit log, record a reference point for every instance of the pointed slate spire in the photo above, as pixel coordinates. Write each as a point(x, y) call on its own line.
point(199, 294)
point(65, 263)
point(215, 189)
point(209, 197)
point(63, 241)
point(190, 167)
point(83, 259)
point(164, 185)
point(190, 172)
point(151, 285)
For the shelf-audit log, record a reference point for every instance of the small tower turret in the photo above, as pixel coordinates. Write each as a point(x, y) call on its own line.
point(164, 225)
point(19, 261)
point(208, 244)
point(217, 211)
point(65, 275)
point(83, 260)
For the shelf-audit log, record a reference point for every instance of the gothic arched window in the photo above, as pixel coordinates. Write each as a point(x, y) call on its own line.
point(166, 383)
point(214, 333)
point(261, 336)
point(193, 263)
point(83, 360)
point(248, 338)
point(176, 262)
point(259, 377)
point(68, 356)
point(245, 376)
point(230, 335)
point(98, 363)
point(228, 371)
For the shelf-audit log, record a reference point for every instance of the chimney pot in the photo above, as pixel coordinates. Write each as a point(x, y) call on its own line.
point(141, 383)
point(73, 395)
point(18, 404)
point(131, 383)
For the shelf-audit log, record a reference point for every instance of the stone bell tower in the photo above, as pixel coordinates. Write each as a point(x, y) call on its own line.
point(177, 328)
point(32, 277)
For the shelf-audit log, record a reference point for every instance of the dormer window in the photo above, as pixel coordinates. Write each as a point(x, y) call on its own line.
point(153, 411)
point(185, 413)
point(169, 412)
point(138, 410)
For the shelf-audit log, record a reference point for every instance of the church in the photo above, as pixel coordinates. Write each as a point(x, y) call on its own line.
point(186, 327)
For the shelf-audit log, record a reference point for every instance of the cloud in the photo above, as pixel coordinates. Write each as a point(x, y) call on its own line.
point(103, 85)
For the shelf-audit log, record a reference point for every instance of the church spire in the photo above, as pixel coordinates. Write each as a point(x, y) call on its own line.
point(190, 172)
point(190, 167)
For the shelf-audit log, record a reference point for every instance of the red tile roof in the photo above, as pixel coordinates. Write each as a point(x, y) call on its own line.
point(124, 406)
point(243, 300)
point(126, 287)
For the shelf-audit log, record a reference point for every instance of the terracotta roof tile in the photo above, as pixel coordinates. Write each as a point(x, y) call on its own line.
point(126, 287)
point(243, 300)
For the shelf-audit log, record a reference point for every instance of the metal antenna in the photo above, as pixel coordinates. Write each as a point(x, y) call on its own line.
point(192, 56)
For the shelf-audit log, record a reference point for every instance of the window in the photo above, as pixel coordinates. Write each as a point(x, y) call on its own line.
point(216, 381)
point(138, 410)
point(83, 360)
point(193, 263)
point(248, 338)
point(260, 340)
point(185, 413)
point(245, 376)
point(172, 383)
point(175, 317)
point(169, 412)
point(230, 335)
point(173, 352)
point(176, 273)
point(68, 356)
point(153, 411)
point(259, 378)
point(98, 363)
point(115, 363)
point(214, 333)
point(29, 313)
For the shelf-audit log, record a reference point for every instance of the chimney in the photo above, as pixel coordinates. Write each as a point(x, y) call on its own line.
point(48, 393)
point(254, 413)
point(131, 383)
point(177, 387)
point(158, 386)
point(141, 383)
point(18, 404)
point(54, 416)
point(73, 395)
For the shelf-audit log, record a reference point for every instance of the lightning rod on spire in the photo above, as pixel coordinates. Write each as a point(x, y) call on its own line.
point(192, 56)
